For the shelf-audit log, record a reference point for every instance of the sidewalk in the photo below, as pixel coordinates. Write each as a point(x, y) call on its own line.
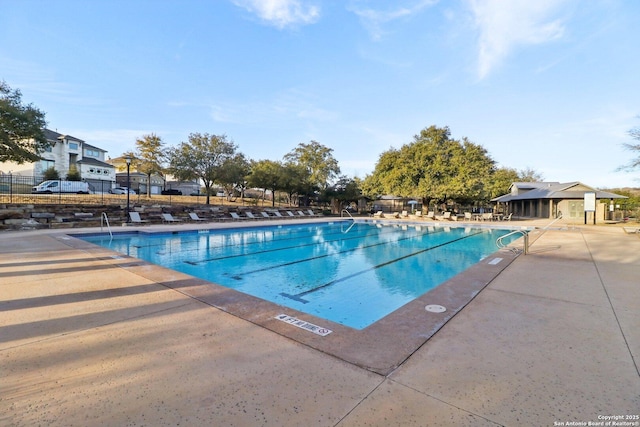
point(555, 338)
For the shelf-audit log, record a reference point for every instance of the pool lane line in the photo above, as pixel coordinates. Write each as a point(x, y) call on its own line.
point(298, 296)
point(351, 237)
point(299, 261)
point(197, 238)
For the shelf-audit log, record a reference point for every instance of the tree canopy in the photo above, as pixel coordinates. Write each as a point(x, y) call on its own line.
point(433, 167)
point(318, 160)
point(22, 136)
point(149, 157)
point(267, 174)
point(201, 158)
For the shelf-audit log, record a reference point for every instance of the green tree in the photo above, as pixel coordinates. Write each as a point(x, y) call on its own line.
point(319, 162)
point(50, 174)
point(268, 175)
point(73, 174)
point(295, 181)
point(22, 137)
point(201, 158)
point(434, 167)
point(149, 157)
point(233, 174)
point(499, 182)
point(344, 192)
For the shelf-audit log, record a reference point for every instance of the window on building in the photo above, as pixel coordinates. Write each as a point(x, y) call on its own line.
point(91, 153)
point(46, 164)
point(73, 146)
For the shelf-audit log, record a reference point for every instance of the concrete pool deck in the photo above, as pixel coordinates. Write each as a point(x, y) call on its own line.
point(86, 339)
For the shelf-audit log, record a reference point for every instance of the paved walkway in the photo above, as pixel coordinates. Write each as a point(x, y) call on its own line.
point(554, 339)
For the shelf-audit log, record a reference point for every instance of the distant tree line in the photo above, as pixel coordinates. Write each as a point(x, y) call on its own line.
point(434, 168)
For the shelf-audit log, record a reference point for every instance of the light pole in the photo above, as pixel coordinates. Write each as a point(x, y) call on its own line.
point(128, 160)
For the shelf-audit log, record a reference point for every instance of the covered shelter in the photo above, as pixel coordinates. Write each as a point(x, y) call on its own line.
point(552, 199)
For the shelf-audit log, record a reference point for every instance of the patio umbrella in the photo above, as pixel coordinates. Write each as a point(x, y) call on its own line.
point(413, 204)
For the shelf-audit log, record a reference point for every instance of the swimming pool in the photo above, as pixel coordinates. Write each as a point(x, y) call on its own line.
point(352, 273)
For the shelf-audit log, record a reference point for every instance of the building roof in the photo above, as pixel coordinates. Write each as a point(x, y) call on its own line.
point(552, 190)
point(93, 147)
point(55, 136)
point(95, 162)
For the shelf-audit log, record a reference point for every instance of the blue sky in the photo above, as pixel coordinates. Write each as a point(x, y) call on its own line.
point(551, 85)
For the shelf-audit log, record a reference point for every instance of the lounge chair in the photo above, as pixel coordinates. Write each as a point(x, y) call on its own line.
point(290, 213)
point(631, 230)
point(301, 213)
point(431, 215)
point(278, 214)
point(250, 215)
point(310, 212)
point(487, 216)
point(508, 217)
point(417, 214)
point(404, 214)
point(135, 218)
point(167, 217)
point(194, 217)
point(237, 217)
point(445, 215)
point(378, 214)
point(266, 215)
point(467, 216)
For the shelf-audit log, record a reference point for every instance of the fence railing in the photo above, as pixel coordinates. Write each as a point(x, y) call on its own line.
point(16, 189)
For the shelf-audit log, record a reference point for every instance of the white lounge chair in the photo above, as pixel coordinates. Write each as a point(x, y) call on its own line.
point(301, 213)
point(404, 214)
point(431, 215)
point(290, 213)
point(266, 215)
point(194, 217)
point(378, 214)
point(236, 217)
point(311, 212)
point(167, 217)
point(135, 218)
point(250, 215)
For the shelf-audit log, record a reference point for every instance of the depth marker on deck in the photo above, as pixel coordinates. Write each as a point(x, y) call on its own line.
point(494, 261)
point(304, 325)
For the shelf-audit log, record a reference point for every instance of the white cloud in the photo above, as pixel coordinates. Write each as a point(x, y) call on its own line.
point(281, 13)
point(374, 18)
point(507, 25)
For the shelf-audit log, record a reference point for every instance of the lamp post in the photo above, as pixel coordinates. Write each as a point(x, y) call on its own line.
point(128, 160)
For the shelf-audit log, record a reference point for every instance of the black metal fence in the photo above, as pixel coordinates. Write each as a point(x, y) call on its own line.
point(18, 189)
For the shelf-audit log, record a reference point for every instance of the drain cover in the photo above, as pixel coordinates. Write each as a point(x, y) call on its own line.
point(434, 308)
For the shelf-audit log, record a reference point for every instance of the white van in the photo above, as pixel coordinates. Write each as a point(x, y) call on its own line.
point(55, 186)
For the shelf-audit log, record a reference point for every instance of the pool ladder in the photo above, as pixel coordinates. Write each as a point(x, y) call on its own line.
point(104, 219)
point(525, 247)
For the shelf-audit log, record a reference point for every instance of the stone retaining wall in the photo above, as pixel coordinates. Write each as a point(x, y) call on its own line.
point(28, 217)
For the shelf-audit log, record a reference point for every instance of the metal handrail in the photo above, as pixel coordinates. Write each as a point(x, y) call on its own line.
point(105, 219)
point(348, 213)
point(525, 234)
point(551, 223)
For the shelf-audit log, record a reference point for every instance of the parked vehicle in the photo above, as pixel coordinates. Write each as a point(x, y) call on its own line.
point(172, 192)
point(121, 190)
point(59, 186)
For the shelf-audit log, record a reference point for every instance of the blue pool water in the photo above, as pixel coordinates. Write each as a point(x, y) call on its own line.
point(353, 273)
